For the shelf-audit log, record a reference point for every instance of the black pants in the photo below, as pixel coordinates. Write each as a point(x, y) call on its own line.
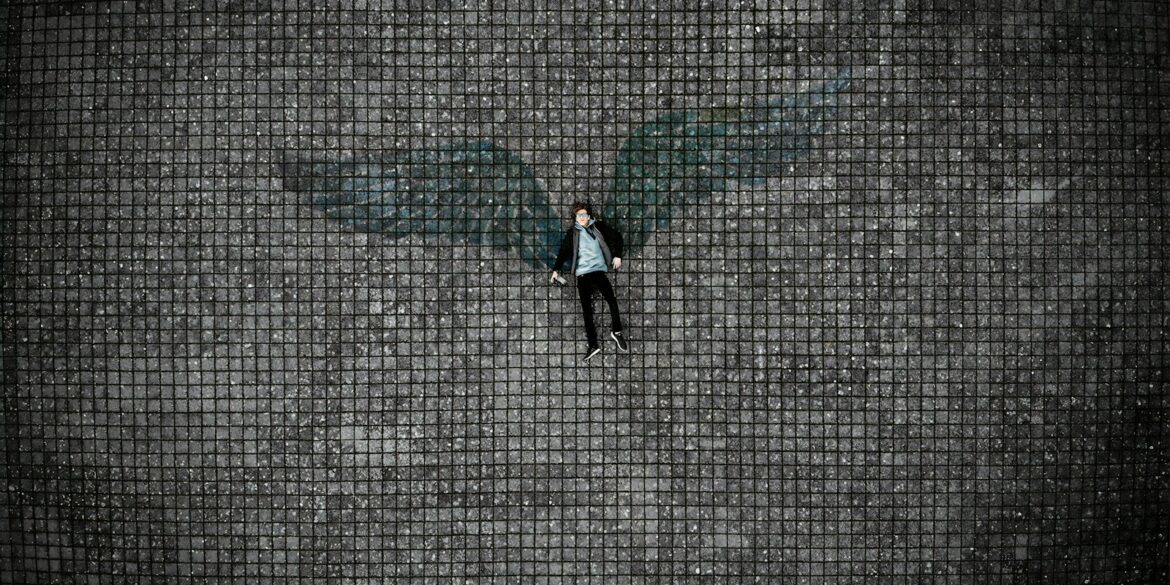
point(586, 284)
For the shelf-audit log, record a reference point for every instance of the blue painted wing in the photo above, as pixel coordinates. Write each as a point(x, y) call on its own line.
point(476, 193)
point(679, 158)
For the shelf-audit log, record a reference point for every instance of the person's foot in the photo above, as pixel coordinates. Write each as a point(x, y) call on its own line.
point(592, 351)
point(620, 339)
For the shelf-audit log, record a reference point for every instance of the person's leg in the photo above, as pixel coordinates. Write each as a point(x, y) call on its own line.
point(607, 291)
point(585, 286)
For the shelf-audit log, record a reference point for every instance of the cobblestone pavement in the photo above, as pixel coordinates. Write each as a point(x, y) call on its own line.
point(928, 351)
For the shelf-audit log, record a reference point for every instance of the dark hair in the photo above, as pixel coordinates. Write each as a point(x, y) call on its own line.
point(582, 205)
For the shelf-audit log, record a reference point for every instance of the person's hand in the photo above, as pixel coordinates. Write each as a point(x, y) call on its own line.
point(553, 278)
point(617, 263)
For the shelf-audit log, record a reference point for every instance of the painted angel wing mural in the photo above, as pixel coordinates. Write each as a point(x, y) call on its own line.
point(480, 193)
point(475, 192)
point(679, 158)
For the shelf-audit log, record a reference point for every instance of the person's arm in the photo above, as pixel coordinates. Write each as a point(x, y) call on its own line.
point(562, 257)
point(613, 239)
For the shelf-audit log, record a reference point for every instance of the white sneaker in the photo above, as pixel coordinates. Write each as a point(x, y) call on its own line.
point(592, 352)
point(620, 339)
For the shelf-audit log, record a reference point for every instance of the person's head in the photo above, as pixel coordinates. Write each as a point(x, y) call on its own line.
point(582, 212)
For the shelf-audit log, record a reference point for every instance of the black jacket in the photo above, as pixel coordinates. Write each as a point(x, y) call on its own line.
point(610, 240)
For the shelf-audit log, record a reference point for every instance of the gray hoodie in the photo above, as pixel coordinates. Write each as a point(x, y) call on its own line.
point(590, 258)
